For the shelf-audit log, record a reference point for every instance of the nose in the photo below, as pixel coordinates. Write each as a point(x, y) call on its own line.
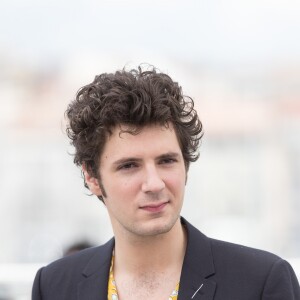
point(152, 183)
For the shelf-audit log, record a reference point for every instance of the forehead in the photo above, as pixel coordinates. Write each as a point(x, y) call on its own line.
point(154, 138)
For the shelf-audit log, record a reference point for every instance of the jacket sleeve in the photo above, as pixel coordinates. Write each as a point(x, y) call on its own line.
point(36, 290)
point(281, 283)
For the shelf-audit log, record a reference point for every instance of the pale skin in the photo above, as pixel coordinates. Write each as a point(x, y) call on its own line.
point(144, 178)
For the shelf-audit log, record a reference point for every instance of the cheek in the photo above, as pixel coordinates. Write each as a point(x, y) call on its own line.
point(176, 182)
point(123, 187)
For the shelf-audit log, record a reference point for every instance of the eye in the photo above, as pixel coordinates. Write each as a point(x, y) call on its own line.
point(167, 160)
point(127, 166)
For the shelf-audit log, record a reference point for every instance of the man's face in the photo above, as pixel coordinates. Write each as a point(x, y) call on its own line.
point(144, 180)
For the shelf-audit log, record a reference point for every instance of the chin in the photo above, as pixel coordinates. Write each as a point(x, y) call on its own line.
point(159, 227)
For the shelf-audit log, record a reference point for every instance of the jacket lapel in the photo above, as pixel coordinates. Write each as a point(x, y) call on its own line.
point(197, 267)
point(96, 273)
point(194, 282)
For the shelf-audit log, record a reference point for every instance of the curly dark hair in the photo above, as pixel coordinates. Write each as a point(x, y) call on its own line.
point(136, 98)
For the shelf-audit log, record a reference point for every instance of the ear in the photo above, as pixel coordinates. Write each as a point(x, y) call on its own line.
point(92, 182)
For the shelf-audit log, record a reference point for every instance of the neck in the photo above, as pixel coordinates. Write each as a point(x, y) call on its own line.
point(151, 253)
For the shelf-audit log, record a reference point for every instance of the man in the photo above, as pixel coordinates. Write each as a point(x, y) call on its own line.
point(135, 135)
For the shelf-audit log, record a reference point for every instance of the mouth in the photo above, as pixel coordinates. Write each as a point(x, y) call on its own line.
point(155, 208)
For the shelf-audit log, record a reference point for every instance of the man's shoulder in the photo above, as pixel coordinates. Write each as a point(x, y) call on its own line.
point(244, 269)
point(240, 254)
point(77, 262)
point(240, 272)
point(61, 277)
point(227, 255)
point(242, 266)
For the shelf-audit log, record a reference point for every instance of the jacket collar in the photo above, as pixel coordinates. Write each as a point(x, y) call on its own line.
point(96, 272)
point(197, 267)
point(194, 281)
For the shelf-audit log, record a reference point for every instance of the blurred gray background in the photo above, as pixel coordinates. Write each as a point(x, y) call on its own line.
point(239, 60)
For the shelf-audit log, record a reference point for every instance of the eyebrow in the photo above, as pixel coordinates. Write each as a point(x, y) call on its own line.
point(136, 159)
point(169, 155)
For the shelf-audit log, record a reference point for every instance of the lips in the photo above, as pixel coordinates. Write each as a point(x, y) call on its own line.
point(155, 207)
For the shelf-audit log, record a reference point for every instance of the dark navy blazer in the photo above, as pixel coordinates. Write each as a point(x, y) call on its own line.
point(212, 270)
